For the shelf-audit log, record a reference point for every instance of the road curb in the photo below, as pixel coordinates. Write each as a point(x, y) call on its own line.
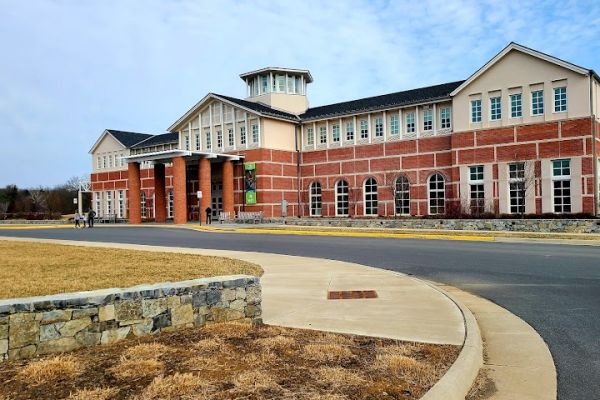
point(457, 381)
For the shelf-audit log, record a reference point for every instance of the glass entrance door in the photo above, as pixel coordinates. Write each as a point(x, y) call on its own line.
point(217, 199)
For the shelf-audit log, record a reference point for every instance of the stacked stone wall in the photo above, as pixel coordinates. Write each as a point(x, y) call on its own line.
point(59, 323)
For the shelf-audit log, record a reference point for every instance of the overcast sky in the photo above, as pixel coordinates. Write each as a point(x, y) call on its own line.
point(70, 69)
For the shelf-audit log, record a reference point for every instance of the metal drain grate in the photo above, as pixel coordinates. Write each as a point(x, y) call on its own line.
point(351, 294)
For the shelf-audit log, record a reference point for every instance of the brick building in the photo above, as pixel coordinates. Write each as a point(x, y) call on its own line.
point(519, 136)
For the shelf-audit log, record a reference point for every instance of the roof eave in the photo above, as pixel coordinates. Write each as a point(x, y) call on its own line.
point(104, 133)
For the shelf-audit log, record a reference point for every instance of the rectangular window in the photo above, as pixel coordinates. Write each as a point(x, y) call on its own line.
point(291, 84)
point(109, 205)
point(394, 125)
point(255, 133)
point(103, 161)
point(445, 118)
point(230, 137)
point(310, 136)
point(517, 186)
point(122, 160)
point(280, 83)
point(560, 99)
point(349, 131)
point(379, 127)
point(495, 108)
point(110, 161)
point(121, 209)
point(475, 111)
point(410, 122)
point(335, 133)
point(208, 141)
point(197, 138)
point(98, 162)
point(364, 129)
point(242, 135)
point(476, 190)
point(186, 138)
point(264, 83)
point(322, 135)
point(219, 139)
point(537, 102)
point(516, 105)
point(427, 120)
point(561, 184)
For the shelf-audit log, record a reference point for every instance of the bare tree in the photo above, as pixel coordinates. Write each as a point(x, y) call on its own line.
point(521, 179)
point(39, 199)
point(73, 182)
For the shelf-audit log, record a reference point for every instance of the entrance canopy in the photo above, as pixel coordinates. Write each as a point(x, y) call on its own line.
point(167, 156)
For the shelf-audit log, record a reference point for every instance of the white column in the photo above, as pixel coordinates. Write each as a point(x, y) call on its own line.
point(301, 146)
point(417, 126)
point(342, 136)
point(434, 122)
point(369, 127)
point(258, 121)
point(400, 124)
point(384, 127)
point(271, 83)
point(190, 140)
point(234, 117)
point(314, 135)
point(200, 131)
point(327, 133)
point(246, 128)
point(223, 133)
point(286, 84)
point(210, 128)
point(356, 130)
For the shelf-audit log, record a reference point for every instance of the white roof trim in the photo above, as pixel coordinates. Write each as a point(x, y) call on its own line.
point(167, 154)
point(104, 133)
point(523, 49)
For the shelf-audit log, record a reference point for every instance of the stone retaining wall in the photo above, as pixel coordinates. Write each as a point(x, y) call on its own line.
point(49, 324)
point(514, 225)
point(35, 222)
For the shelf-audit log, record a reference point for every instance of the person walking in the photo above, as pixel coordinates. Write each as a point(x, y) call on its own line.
point(84, 218)
point(77, 218)
point(208, 215)
point(91, 216)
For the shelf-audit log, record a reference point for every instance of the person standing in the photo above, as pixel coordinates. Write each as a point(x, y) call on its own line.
point(208, 215)
point(84, 218)
point(91, 216)
point(77, 218)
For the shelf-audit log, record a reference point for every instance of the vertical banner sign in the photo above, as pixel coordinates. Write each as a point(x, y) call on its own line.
point(250, 183)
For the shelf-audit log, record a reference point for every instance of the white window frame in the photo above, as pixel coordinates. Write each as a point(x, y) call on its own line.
point(342, 198)
point(322, 135)
point(410, 122)
point(230, 137)
point(335, 133)
point(436, 190)
point(537, 102)
point(121, 204)
point(316, 199)
point(496, 108)
point(220, 139)
point(254, 133)
point(242, 135)
point(401, 195)
point(108, 202)
point(476, 115)
point(427, 120)
point(198, 141)
point(476, 185)
point(445, 118)
point(364, 129)
point(515, 177)
point(562, 178)
point(516, 105)
point(349, 131)
point(394, 124)
point(379, 127)
point(170, 203)
point(560, 99)
point(208, 141)
point(310, 136)
point(370, 198)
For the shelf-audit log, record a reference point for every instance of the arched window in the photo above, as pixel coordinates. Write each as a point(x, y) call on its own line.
point(370, 196)
point(143, 204)
point(170, 204)
point(341, 198)
point(437, 194)
point(402, 195)
point(315, 199)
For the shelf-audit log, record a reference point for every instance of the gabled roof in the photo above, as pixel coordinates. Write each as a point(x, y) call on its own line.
point(523, 49)
point(158, 140)
point(126, 139)
point(256, 108)
point(405, 98)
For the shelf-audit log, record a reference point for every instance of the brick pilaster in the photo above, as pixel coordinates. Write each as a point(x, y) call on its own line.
point(134, 186)
point(160, 200)
point(228, 187)
point(204, 175)
point(179, 191)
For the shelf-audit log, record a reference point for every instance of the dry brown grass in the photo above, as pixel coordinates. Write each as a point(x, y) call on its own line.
point(210, 345)
point(276, 342)
point(146, 351)
point(327, 352)
point(34, 269)
point(128, 369)
point(177, 386)
point(232, 330)
point(51, 369)
point(338, 376)
point(255, 380)
point(94, 394)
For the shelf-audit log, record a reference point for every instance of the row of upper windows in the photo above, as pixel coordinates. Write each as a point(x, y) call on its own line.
point(276, 83)
point(110, 161)
point(515, 105)
point(206, 143)
point(444, 122)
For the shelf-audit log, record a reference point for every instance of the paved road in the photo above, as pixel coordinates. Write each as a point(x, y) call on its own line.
point(554, 288)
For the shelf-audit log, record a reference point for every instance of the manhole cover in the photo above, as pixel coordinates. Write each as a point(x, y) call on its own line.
point(352, 294)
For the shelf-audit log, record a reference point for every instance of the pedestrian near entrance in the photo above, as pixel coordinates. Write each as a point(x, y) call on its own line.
point(91, 216)
point(77, 218)
point(84, 218)
point(208, 215)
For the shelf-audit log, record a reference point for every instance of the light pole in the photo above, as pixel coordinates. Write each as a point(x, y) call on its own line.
point(199, 196)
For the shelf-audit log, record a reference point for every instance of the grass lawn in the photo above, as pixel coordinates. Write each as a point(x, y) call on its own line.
point(234, 361)
point(34, 269)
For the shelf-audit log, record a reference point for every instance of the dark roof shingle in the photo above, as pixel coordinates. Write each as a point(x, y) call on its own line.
point(128, 139)
point(156, 140)
point(260, 108)
point(407, 97)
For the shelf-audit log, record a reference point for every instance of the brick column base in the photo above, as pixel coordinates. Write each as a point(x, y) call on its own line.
point(160, 200)
point(179, 191)
point(134, 191)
